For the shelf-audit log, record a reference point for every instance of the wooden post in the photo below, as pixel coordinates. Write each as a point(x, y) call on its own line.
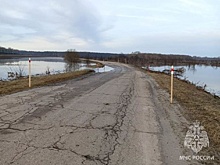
point(171, 89)
point(29, 72)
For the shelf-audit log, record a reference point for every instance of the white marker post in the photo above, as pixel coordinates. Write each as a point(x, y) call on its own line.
point(29, 72)
point(171, 89)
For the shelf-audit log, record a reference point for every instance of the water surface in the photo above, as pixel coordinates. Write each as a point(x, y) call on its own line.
point(41, 65)
point(200, 75)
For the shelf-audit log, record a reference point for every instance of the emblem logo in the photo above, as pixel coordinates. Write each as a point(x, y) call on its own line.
point(196, 137)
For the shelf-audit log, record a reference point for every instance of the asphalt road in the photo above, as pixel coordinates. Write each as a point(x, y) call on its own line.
point(113, 118)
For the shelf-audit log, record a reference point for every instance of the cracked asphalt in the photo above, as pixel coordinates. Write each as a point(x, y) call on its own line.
point(98, 119)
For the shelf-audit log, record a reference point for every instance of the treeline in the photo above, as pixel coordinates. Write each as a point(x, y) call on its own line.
point(135, 58)
point(153, 59)
point(13, 53)
point(161, 59)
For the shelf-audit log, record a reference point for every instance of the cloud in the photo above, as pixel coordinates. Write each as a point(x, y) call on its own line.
point(196, 4)
point(169, 26)
point(205, 44)
point(199, 7)
point(49, 19)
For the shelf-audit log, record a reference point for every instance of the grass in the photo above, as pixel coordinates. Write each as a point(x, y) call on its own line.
point(198, 105)
point(22, 84)
point(98, 65)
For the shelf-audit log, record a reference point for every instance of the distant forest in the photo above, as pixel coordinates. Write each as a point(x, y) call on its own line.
point(134, 58)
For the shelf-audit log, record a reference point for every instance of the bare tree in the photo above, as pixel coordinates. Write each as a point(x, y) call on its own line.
point(48, 70)
point(20, 70)
point(87, 60)
point(17, 72)
point(72, 58)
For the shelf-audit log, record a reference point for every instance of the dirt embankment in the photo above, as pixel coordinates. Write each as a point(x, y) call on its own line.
point(198, 105)
point(8, 87)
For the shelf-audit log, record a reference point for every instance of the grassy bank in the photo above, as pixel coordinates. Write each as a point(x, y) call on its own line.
point(22, 84)
point(198, 105)
point(98, 64)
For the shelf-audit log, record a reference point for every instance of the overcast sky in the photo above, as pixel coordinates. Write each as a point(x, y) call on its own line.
point(161, 26)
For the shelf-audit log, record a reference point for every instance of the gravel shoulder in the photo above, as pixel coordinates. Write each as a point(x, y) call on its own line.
point(119, 117)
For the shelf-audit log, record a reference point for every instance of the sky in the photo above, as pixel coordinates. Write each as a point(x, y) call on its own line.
point(189, 27)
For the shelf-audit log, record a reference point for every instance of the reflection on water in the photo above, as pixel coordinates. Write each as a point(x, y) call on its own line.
point(191, 68)
point(50, 65)
point(200, 75)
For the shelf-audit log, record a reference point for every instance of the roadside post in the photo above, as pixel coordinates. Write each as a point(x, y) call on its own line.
point(29, 72)
point(171, 89)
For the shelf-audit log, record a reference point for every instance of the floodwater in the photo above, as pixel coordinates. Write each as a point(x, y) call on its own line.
point(40, 66)
point(200, 75)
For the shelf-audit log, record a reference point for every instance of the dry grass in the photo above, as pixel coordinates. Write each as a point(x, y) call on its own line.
point(98, 65)
point(22, 84)
point(198, 105)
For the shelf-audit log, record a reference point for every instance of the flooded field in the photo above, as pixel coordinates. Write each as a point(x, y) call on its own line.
point(200, 75)
point(39, 66)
